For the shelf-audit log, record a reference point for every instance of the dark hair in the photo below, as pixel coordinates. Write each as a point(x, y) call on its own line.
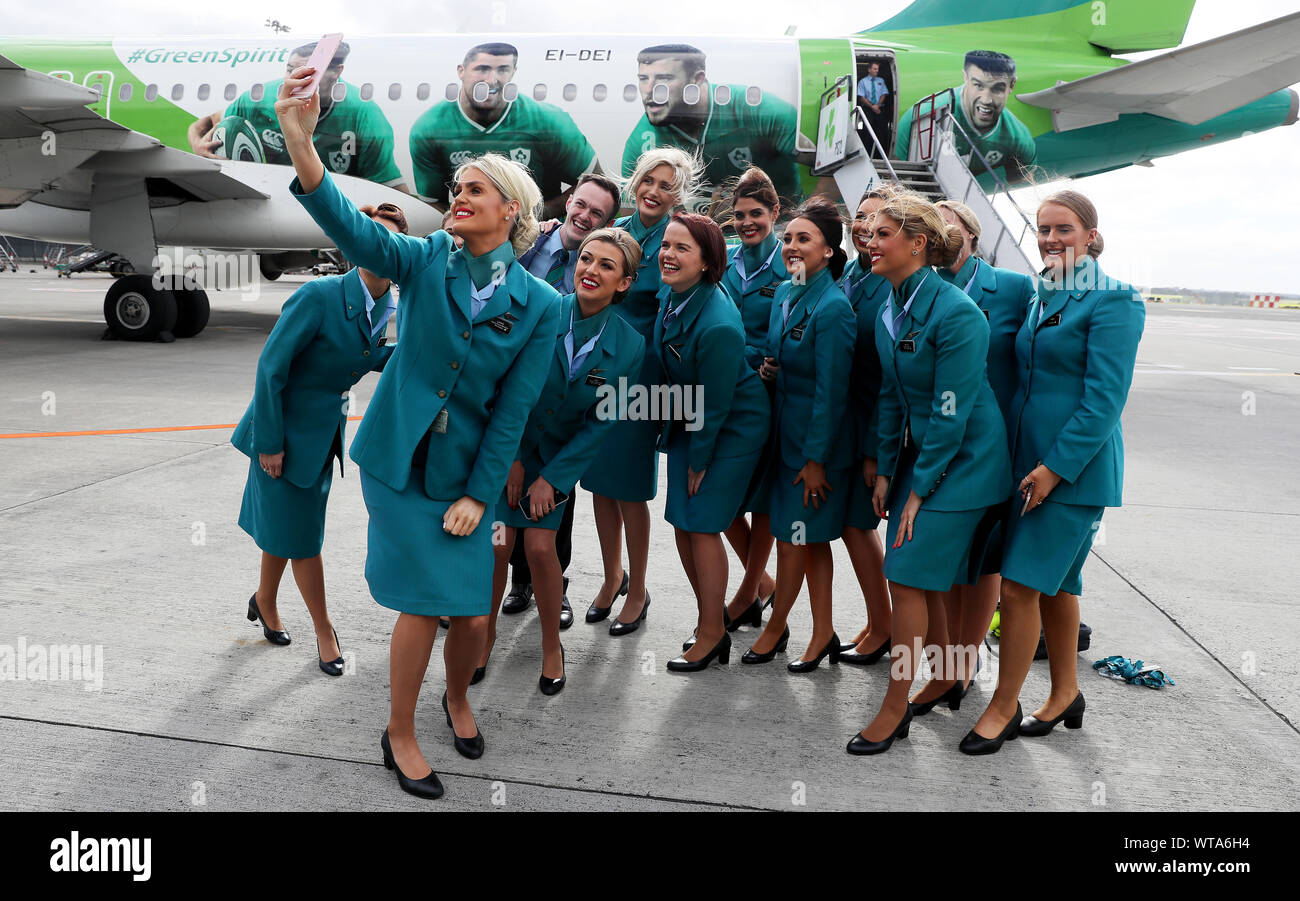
point(340, 55)
point(390, 211)
point(609, 186)
point(822, 213)
point(692, 57)
point(753, 184)
point(991, 62)
point(713, 247)
point(493, 48)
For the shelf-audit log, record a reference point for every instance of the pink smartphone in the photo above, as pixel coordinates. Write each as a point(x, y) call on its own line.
point(320, 60)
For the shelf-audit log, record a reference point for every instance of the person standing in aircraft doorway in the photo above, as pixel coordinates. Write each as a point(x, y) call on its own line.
point(874, 98)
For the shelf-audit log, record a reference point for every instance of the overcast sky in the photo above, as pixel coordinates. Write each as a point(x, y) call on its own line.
point(1220, 218)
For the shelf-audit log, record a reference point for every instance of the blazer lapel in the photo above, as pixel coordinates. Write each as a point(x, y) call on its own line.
point(459, 285)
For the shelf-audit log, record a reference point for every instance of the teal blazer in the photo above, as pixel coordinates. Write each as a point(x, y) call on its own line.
point(641, 305)
point(754, 301)
point(814, 348)
point(1004, 296)
point(468, 381)
point(704, 347)
point(570, 422)
point(935, 396)
point(319, 348)
point(867, 293)
point(1076, 364)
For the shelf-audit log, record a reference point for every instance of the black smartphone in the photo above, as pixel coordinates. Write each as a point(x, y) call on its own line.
point(526, 506)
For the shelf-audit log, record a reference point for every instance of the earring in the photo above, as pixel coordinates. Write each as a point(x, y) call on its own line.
point(914, 253)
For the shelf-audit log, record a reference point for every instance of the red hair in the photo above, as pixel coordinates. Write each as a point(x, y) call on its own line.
point(713, 247)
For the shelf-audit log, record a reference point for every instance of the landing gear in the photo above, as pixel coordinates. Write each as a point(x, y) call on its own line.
point(137, 311)
point(192, 311)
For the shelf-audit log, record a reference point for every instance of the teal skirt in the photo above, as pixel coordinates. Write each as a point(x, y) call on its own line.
point(794, 523)
point(1045, 549)
point(722, 494)
point(939, 553)
point(860, 514)
point(626, 467)
point(284, 519)
point(413, 565)
point(512, 517)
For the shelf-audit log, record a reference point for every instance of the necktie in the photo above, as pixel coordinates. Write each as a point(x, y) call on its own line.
point(559, 261)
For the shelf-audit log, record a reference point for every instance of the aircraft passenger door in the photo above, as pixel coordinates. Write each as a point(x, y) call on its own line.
point(884, 123)
point(103, 82)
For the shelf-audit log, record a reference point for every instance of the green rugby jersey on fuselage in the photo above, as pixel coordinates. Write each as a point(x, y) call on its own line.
point(1009, 143)
point(540, 136)
point(353, 137)
point(735, 136)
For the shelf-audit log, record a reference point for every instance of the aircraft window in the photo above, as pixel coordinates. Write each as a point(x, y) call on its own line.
point(599, 92)
point(98, 89)
point(659, 93)
point(178, 91)
point(231, 92)
point(510, 92)
point(256, 91)
point(124, 92)
point(630, 92)
point(204, 90)
point(452, 91)
point(339, 92)
point(753, 95)
point(367, 91)
point(721, 94)
point(151, 93)
point(394, 91)
point(422, 91)
point(691, 93)
point(480, 92)
point(539, 91)
point(570, 91)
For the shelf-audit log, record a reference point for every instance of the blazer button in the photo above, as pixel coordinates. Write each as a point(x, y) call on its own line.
point(365, 353)
point(550, 412)
point(465, 335)
point(442, 393)
point(355, 376)
point(455, 365)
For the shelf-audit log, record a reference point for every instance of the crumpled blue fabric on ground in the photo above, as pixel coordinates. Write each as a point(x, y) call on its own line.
point(1132, 671)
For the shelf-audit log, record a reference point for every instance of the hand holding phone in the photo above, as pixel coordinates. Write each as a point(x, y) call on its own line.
point(1029, 498)
point(320, 60)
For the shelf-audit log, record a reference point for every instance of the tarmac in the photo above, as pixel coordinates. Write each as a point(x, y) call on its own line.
point(128, 544)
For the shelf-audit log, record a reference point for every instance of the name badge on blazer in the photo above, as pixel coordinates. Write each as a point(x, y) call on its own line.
point(439, 426)
point(502, 323)
point(595, 380)
point(1054, 319)
point(796, 333)
point(907, 346)
point(985, 312)
point(767, 291)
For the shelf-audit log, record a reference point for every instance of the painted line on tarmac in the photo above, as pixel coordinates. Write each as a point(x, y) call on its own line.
point(99, 432)
point(1227, 372)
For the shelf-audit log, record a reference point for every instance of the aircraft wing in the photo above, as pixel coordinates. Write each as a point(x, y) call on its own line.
point(1191, 84)
point(51, 145)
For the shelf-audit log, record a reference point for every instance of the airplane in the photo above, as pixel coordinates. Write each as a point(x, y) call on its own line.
point(132, 144)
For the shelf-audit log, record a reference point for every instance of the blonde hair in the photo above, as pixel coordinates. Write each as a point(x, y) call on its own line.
point(688, 173)
point(917, 216)
point(1084, 209)
point(515, 184)
point(966, 216)
point(626, 244)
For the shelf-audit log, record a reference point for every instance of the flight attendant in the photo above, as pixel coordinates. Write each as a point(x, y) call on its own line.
point(754, 271)
point(1075, 352)
point(867, 292)
point(625, 475)
point(810, 340)
point(942, 444)
point(716, 436)
point(329, 334)
point(478, 335)
point(566, 429)
point(1004, 297)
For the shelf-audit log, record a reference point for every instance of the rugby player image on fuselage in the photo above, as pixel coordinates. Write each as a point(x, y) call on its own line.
point(988, 79)
point(682, 110)
point(485, 117)
point(353, 137)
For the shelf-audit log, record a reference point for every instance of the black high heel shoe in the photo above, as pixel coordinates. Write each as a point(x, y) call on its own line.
point(275, 636)
point(972, 676)
point(331, 667)
point(853, 657)
point(466, 747)
point(618, 627)
point(481, 671)
point(752, 616)
point(952, 697)
point(428, 787)
point(726, 624)
point(549, 686)
point(860, 746)
point(832, 648)
point(974, 743)
point(596, 614)
point(1072, 716)
point(721, 651)
point(751, 656)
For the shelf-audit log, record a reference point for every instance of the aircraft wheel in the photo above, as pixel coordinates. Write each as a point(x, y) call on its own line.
point(137, 311)
point(269, 270)
point(192, 311)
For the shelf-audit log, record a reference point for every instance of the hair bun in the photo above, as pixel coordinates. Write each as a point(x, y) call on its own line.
point(1095, 248)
